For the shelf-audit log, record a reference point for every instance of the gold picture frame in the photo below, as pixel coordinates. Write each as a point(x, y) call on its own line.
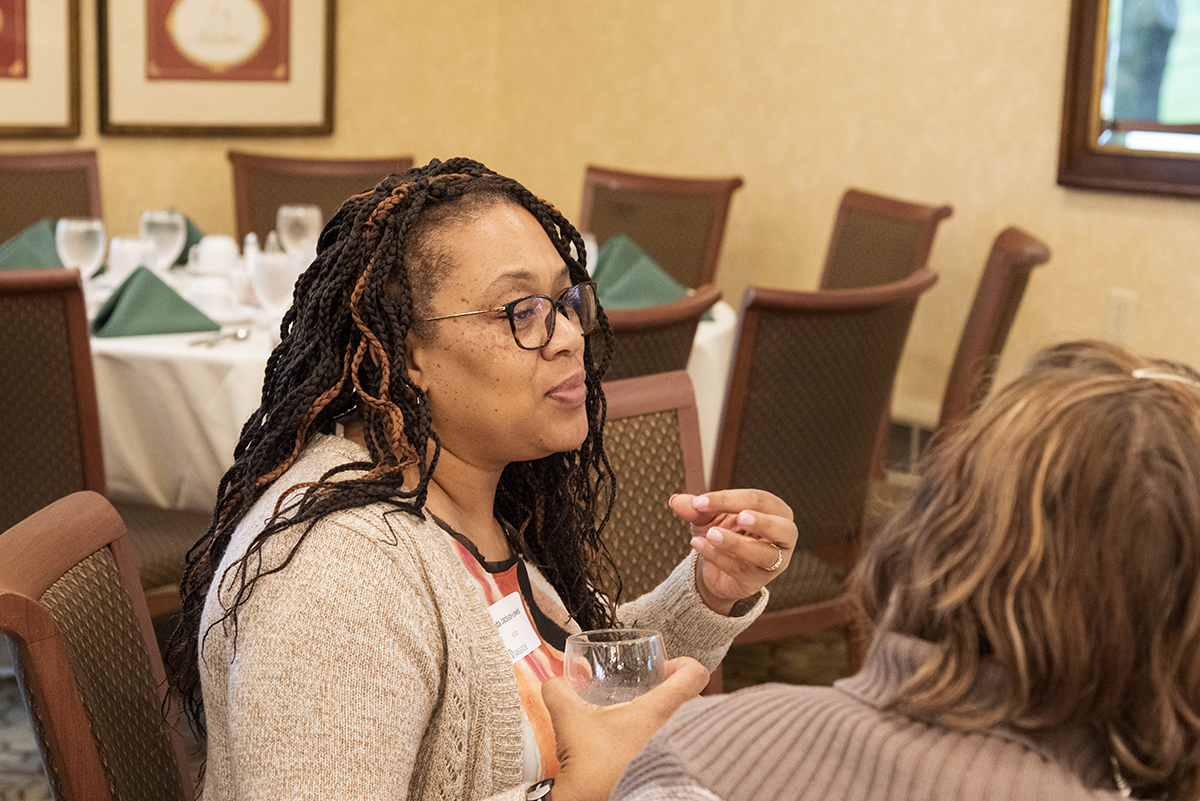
point(216, 67)
point(39, 87)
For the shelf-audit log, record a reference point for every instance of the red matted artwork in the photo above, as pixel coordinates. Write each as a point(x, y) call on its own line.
point(14, 62)
point(217, 40)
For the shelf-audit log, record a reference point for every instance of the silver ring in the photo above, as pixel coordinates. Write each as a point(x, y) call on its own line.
point(778, 561)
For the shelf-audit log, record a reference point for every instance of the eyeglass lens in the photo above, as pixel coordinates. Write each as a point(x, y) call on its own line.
point(533, 318)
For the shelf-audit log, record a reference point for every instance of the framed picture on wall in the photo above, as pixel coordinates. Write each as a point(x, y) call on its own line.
point(39, 68)
point(216, 67)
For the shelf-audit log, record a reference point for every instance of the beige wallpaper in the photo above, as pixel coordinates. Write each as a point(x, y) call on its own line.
point(939, 101)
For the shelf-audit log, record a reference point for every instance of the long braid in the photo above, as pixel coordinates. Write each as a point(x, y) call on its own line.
point(342, 349)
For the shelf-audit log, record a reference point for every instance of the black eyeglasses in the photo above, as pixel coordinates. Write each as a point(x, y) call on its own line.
point(532, 318)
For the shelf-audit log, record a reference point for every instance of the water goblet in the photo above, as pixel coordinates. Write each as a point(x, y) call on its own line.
point(168, 231)
point(80, 242)
point(299, 226)
point(610, 666)
point(273, 276)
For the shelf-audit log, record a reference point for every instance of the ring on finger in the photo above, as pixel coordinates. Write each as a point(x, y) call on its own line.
point(778, 561)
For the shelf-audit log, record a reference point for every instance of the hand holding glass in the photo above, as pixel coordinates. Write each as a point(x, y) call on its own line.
point(610, 666)
point(80, 243)
point(168, 231)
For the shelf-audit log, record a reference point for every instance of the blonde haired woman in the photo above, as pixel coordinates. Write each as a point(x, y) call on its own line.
point(1038, 617)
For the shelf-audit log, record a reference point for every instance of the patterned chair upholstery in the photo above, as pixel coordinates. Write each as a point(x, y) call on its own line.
point(812, 374)
point(86, 659)
point(657, 339)
point(261, 184)
point(678, 222)
point(51, 445)
point(877, 240)
point(652, 437)
point(38, 186)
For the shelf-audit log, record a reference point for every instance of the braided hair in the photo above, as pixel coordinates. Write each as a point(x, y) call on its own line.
point(342, 349)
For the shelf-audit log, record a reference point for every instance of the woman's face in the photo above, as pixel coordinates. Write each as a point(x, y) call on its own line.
point(492, 402)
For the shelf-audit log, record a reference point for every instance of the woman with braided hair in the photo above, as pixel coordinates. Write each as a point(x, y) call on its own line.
point(428, 461)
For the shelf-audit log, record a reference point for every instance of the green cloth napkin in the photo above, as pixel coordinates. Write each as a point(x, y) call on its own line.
point(194, 235)
point(143, 304)
point(32, 248)
point(626, 278)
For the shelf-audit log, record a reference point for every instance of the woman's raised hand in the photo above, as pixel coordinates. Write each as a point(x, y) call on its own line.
point(595, 744)
point(745, 536)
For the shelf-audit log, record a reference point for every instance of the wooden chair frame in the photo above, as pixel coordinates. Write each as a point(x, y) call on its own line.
point(245, 163)
point(647, 394)
point(37, 552)
point(61, 160)
point(650, 318)
point(892, 208)
point(1013, 256)
point(722, 188)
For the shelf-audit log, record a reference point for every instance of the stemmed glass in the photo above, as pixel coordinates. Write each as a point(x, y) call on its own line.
point(299, 227)
point(273, 277)
point(610, 666)
point(80, 242)
point(168, 231)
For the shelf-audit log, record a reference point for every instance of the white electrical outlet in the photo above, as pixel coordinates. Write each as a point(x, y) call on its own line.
point(1120, 308)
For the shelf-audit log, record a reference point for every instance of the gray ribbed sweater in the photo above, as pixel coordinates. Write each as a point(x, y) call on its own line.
point(785, 742)
point(369, 667)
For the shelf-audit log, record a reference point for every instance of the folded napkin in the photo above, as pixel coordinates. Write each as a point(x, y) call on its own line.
point(143, 304)
point(32, 248)
point(194, 235)
point(626, 278)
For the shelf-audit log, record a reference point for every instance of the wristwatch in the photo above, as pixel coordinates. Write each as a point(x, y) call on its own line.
point(539, 791)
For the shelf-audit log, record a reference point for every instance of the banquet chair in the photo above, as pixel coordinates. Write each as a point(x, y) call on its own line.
point(877, 240)
point(38, 186)
point(89, 668)
point(812, 373)
point(678, 222)
point(652, 438)
point(50, 446)
point(261, 184)
point(1013, 256)
point(657, 339)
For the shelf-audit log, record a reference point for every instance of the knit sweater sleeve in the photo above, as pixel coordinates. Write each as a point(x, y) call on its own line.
point(688, 626)
point(334, 679)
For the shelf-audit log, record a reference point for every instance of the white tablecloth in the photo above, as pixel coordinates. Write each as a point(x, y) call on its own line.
point(171, 412)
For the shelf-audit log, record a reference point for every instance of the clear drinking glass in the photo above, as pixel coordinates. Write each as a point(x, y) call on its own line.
point(299, 227)
point(609, 666)
point(168, 231)
point(80, 242)
point(273, 276)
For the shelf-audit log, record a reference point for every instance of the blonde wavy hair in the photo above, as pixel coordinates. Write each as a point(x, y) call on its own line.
point(1056, 532)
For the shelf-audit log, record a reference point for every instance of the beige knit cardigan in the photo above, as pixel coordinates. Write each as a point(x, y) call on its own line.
point(368, 667)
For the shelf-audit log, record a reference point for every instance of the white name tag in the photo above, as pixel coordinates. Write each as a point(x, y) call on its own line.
point(516, 631)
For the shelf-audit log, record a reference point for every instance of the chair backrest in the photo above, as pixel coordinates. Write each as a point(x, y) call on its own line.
point(37, 186)
point(1013, 256)
point(50, 441)
point(261, 184)
point(877, 240)
point(657, 339)
point(71, 605)
point(652, 438)
point(812, 374)
point(678, 222)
